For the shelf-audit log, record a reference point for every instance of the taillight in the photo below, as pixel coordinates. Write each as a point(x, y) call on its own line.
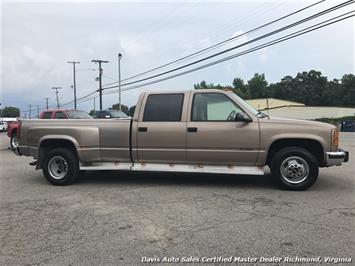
point(335, 139)
point(19, 129)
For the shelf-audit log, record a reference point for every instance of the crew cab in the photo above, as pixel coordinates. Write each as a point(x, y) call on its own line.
point(48, 114)
point(204, 131)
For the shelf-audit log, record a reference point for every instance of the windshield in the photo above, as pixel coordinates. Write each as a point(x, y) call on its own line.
point(118, 114)
point(75, 114)
point(244, 103)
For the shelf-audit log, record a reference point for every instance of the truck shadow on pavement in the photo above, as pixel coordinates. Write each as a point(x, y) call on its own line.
point(181, 179)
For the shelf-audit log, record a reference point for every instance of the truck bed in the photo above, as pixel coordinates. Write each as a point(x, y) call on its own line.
point(95, 140)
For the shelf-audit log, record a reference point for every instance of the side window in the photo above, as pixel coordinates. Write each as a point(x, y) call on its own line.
point(213, 107)
point(163, 107)
point(47, 115)
point(59, 115)
point(101, 114)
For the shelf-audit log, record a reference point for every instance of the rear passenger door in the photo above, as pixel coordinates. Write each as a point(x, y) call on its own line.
point(161, 128)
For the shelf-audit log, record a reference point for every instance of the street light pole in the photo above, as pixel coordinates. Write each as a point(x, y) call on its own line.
point(56, 92)
point(119, 80)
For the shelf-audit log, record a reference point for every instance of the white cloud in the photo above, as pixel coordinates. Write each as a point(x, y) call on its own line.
point(25, 68)
point(264, 54)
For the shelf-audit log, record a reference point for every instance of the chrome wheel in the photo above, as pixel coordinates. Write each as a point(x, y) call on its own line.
point(57, 167)
point(294, 169)
point(14, 141)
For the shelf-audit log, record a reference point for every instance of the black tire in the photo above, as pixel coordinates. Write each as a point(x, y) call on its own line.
point(13, 140)
point(289, 168)
point(66, 164)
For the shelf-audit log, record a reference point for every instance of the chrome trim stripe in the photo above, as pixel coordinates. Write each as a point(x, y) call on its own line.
point(217, 169)
point(196, 150)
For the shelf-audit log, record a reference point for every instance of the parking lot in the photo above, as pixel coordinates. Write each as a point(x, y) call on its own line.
point(112, 218)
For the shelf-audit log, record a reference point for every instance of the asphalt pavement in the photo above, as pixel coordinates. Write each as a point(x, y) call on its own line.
point(122, 218)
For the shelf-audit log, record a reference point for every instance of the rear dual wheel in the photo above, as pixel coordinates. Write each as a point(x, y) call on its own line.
point(60, 166)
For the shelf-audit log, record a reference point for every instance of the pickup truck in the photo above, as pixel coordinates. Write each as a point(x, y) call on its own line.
point(48, 114)
point(202, 131)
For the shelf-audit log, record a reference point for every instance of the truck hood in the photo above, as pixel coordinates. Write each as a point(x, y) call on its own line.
point(280, 120)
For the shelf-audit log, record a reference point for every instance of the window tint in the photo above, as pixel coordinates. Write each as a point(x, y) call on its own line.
point(117, 114)
point(75, 114)
point(163, 107)
point(47, 115)
point(59, 115)
point(213, 107)
point(102, 114)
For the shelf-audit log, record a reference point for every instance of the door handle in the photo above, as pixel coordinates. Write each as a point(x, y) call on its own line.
point(192, 129)
point(142, 129)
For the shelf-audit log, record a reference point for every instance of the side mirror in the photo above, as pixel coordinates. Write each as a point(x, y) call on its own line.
point(239, 117)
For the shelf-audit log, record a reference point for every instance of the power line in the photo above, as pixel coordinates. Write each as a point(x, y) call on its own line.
point(224, 42)
point(270, 43)
point(243, 44)
point(229, 57)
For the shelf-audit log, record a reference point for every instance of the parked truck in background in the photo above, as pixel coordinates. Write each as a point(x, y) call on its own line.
point(204, 131)
point(48, 114)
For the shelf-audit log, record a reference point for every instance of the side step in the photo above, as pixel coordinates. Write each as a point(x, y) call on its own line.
point(217, 169)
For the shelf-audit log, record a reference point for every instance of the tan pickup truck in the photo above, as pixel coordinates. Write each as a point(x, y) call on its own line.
point(208, 131)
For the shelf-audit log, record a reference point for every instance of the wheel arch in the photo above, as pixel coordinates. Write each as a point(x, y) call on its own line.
point(313, 146)
point(51, 142)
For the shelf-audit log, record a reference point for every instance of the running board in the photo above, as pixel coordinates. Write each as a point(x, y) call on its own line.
point(216, 169)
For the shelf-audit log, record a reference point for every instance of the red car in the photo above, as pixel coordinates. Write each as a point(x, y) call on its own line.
point(48, 114)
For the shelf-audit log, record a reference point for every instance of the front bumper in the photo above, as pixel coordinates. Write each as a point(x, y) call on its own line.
point(337, 157)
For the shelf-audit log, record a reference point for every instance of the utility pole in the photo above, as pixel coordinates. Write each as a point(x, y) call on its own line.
point(94, 104)
point(100, 78)
point(56, 92)
point(37, 111)
point(119, 79)
point(46, 102)
point(29, 111)
point(74, 81)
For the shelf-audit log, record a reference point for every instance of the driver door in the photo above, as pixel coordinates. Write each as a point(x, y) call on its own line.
point(213, 135)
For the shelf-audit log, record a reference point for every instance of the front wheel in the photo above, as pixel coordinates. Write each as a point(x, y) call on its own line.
point(60, 167)
point(294, 168)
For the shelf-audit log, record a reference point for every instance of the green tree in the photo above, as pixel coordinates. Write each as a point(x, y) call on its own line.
point(204, 85)
point(240, 88)
point(257, 86)
point(348, 90)
point(10, 111)
point(131, 110)
point(116, 106)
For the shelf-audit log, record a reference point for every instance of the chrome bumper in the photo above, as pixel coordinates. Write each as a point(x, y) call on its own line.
point(337, 157)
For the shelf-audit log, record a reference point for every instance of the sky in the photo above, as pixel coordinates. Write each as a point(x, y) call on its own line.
point(39, 38)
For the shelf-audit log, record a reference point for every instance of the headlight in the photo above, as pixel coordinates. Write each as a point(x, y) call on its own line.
point(335, 139)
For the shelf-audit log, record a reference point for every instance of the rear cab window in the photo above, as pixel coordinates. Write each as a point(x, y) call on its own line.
point(163, 107)
point(47, 115)
point(59, 115)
